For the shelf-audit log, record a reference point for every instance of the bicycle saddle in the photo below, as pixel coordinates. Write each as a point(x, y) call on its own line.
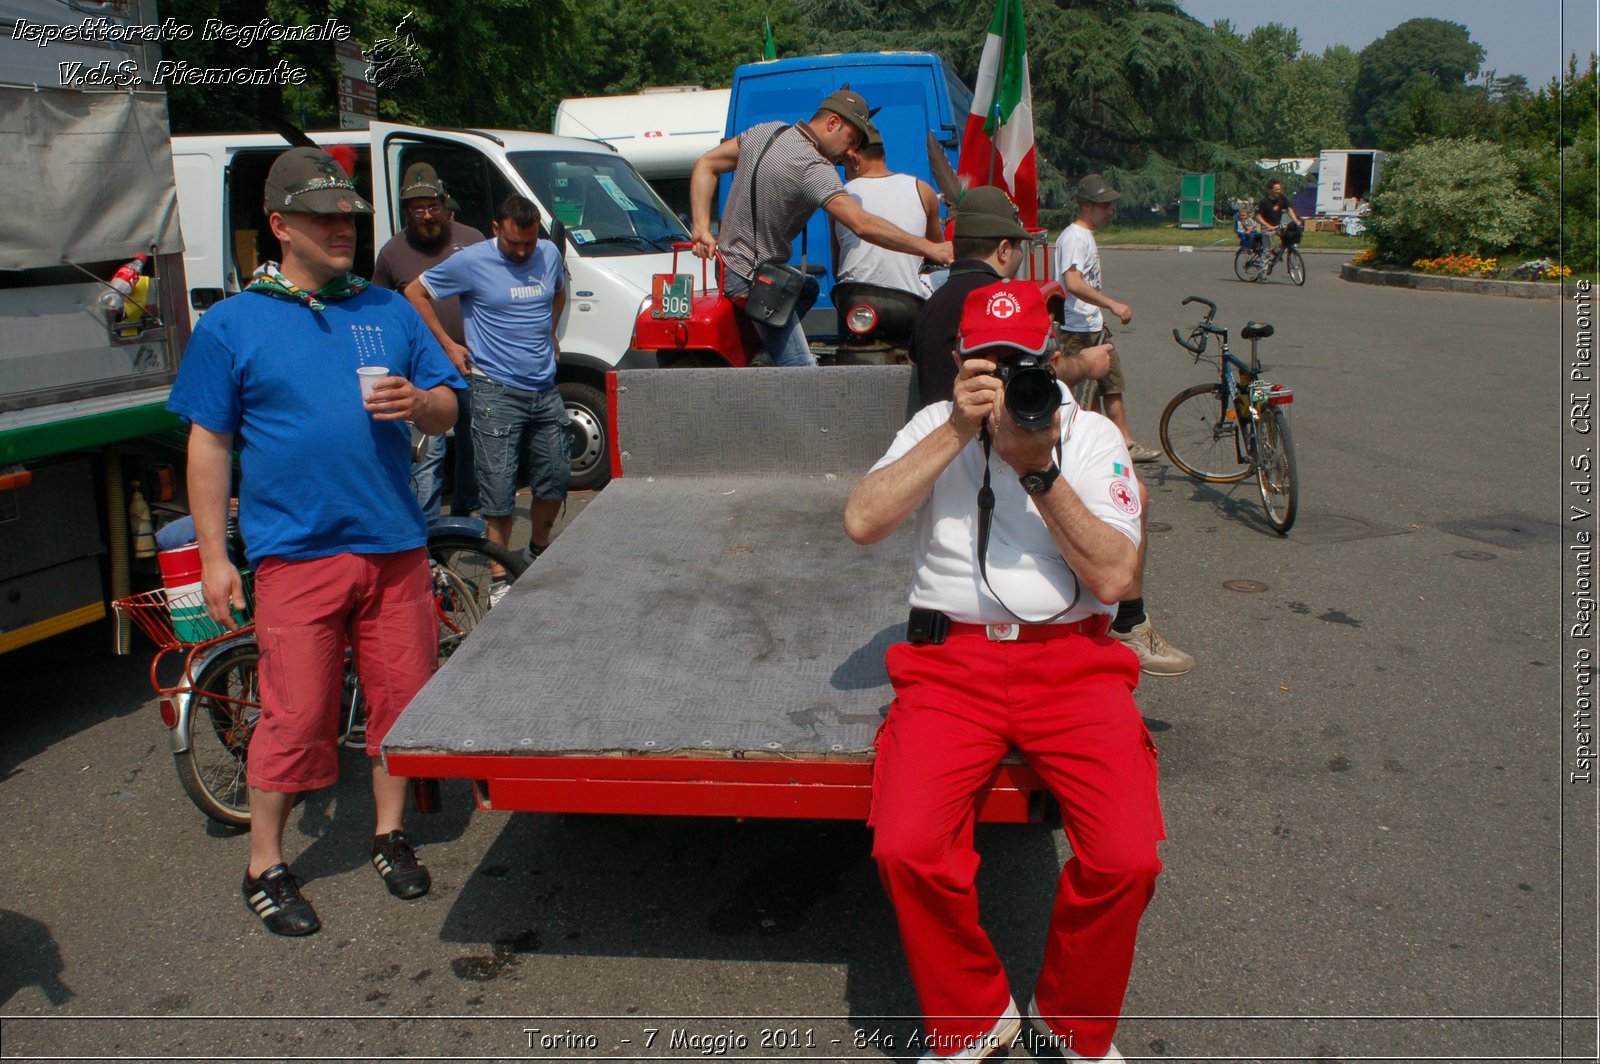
point(1256, 330)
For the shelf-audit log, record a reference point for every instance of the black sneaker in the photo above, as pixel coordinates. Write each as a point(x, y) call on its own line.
point(276, 898)
point(396, 861)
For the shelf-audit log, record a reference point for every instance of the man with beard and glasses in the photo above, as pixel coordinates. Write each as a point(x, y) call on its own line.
point(432, 235)
point(513, 290)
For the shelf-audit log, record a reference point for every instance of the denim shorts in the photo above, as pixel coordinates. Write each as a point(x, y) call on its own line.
point(504, 420)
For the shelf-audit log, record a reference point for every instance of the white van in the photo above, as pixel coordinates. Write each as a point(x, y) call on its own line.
point(660, 131)
point(614, 231)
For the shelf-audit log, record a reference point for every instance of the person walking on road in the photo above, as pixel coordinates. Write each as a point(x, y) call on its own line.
point(1078, 259)
point(513, 290)
point(1007, 648)
point(766, 210)
point(325, 508)
point(432, 235)
point(1083, 321)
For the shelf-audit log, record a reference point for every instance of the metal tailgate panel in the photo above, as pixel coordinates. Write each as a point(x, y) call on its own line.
point(694, 615)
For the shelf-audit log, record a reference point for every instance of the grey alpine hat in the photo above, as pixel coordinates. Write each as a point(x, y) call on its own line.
point(848, 105)
point(1096, 189)
point(420, 180)
point(310, 181)
point(987, 212)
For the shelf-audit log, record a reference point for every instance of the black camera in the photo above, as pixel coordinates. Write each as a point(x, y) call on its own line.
point(1032, 396)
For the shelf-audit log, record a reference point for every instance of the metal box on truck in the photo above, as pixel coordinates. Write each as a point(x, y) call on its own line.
point(1344, 177)
point(914, 93)
point(86, 164)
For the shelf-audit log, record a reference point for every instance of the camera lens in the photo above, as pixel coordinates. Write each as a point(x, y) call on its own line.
point(1032, 396)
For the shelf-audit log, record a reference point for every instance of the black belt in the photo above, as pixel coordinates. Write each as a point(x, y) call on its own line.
point(931, 626)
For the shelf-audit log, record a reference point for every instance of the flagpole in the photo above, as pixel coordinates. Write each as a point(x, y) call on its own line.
point(994, 98)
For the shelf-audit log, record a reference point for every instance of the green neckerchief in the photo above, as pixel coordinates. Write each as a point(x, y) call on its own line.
point(269, 280)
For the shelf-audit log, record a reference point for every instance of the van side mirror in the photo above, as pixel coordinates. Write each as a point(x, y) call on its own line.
point(558, 235)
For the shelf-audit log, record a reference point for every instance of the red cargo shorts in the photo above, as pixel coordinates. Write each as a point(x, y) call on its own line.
point(307, 613)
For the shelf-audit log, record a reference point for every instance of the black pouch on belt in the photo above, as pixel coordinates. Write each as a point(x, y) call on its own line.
point(927, 626)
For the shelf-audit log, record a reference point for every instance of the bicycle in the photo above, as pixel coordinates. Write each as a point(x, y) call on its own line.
point(1257, 263)
point(1223, 432)
point(212, 708)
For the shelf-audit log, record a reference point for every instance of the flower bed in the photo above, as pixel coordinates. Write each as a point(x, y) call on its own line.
point(1477, 266)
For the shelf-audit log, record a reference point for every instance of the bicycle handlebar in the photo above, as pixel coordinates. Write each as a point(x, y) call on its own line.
point(1211, 308)
point(1197, 351)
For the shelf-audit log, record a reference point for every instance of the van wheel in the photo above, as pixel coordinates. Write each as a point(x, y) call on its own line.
point(591, 449)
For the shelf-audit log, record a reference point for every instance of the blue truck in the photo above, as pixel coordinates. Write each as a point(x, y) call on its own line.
point(916, 95)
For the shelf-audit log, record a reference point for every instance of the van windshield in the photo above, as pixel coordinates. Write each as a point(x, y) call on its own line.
point(603, 202)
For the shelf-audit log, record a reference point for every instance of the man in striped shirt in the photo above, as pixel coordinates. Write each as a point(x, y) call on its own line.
point(781, 175)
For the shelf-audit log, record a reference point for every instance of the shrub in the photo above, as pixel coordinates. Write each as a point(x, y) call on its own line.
point(1448, 197)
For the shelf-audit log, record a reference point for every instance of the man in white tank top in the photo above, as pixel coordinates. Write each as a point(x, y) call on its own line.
point(902, 199)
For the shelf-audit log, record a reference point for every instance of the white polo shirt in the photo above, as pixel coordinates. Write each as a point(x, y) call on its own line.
point(1025, 566)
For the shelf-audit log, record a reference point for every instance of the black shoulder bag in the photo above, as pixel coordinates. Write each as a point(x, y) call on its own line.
point(775, 288)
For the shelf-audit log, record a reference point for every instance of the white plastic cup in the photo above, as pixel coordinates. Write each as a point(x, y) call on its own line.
point(370, 376)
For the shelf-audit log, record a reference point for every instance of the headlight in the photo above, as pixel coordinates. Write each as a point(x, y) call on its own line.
point(861, 319)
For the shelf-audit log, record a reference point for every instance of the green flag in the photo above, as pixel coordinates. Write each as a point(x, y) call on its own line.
point(771, 51)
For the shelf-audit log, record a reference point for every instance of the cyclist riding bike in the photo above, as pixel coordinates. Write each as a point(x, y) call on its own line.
point(1270, 211)
point(1273, 206)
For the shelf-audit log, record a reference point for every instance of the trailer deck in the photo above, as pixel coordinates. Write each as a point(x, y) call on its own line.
point(697, 643)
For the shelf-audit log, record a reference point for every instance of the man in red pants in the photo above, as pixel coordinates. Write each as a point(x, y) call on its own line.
point(1007, 647)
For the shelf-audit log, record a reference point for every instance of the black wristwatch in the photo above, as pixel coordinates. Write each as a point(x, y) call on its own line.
point(1038, 482)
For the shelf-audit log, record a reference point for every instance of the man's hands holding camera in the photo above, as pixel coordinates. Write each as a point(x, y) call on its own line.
point(980, 402)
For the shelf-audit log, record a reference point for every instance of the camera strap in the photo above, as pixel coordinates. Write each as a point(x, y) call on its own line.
point(986, 516)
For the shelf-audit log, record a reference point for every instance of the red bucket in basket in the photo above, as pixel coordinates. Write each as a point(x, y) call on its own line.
point(180, 572)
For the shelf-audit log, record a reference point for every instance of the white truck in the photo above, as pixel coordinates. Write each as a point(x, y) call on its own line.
point(661, 131)
point(614, 232)
point(83, 385)
point(1346, 178)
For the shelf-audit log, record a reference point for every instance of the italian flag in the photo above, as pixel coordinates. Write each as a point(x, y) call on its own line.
point(997, 148)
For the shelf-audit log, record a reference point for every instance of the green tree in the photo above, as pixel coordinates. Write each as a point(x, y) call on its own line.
point(1313, 104)
point(1419, 51)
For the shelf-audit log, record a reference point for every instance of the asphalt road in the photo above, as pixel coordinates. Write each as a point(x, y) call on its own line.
point(1372, 848)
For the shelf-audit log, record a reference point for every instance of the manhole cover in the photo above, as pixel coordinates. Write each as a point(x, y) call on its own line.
point(1505, 530)
point(1250, 586)
point(1475, 555)
point(1330, 527)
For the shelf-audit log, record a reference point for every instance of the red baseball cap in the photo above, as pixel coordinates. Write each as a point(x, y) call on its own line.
point(1012, 313)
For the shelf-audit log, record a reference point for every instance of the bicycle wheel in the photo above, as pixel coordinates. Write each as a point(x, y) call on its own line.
point(1200, 437)
point(1247, 265)
point(1275, 469)
point(457, 607)
point(1297, 266)
point(473, 560)
point(223, 711)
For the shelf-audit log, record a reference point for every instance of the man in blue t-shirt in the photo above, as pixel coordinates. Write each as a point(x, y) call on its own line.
point(325, 507)
point(512, 293)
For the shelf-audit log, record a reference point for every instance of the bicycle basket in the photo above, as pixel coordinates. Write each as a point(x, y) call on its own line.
point(1291, 235)
point(178, 620)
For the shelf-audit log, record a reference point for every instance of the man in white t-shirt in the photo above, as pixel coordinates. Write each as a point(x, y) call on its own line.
point(1006, 647)
point(903, 199)
point(1083, 325)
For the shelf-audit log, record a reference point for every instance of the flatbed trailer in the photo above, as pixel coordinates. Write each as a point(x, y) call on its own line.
point(703, 640)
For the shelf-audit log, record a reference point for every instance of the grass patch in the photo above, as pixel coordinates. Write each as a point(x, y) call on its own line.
point(1221, 236)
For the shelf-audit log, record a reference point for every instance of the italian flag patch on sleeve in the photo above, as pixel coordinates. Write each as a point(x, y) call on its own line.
point(1119, 470)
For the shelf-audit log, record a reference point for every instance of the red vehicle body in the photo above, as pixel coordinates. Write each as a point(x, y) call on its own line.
point(716, 333)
